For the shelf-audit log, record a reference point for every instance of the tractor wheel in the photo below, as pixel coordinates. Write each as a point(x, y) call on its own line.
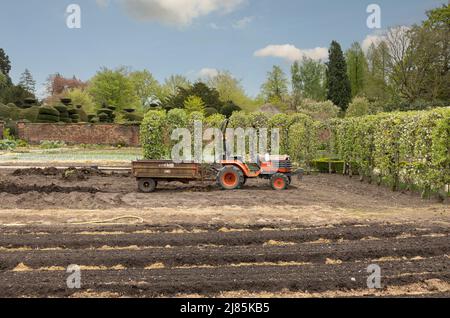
point(230, 178)
point(279, 182)
point(147, 185)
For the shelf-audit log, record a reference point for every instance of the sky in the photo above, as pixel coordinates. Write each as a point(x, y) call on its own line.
point(195, 38)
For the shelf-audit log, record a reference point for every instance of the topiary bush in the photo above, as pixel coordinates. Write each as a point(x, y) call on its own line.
point(29, 114)
point(154, 135)
point(47, 114)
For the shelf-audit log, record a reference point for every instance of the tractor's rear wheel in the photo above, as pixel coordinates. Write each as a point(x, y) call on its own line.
point(147, 185)
point(230, 178)
point(279, 182)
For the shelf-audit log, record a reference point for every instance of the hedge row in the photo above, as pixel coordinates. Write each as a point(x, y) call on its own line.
point(409, 149)
point(158, 125)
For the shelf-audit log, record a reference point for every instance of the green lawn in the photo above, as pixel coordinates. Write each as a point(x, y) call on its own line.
point(74, 155)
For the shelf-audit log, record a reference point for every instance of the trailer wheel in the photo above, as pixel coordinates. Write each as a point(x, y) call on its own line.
point(147, 185)
point(279, 182)
point(230, 178)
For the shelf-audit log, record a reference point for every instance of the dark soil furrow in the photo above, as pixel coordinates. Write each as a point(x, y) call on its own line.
point(206, 281)
point(77, 241)
point(347, 231)
point(316, 253)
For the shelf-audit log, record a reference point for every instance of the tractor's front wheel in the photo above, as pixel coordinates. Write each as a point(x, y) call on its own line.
point(279, 182)
point(230, 178)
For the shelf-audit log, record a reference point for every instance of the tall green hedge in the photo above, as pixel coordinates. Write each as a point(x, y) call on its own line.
point(408, 149)
point(153, 135)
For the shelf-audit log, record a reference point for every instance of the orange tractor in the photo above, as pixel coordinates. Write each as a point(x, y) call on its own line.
point(277, 169)
point(230, 174)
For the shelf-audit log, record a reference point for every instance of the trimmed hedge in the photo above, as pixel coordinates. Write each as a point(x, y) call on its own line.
point(153, 135)
point(410, 149)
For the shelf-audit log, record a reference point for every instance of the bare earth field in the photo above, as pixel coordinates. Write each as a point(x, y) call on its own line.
point(314, 240)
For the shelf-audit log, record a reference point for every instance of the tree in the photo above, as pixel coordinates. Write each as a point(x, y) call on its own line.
point(5, 64)
point(320, 111)
point(146, 88)
point(27, 82)
point(174, 83)
point(3, 80)
point(296, 83)
point(276, 85)
point(114, 88)
point(230, 90)
point(360, 106)
point(194, 104)
point(209, 96)
point(58, 84)
point(82, 97)
point(376, 88)
point(338, 84)
point(356, 68)
point(312, 79)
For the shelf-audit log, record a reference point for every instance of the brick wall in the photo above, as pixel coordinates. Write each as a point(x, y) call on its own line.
point(2, 126)
point(92, 134)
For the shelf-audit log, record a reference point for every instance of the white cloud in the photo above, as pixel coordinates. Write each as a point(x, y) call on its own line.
point(206, 73)
point(382, 35)
point(291, 53)
point(102, 3)
point(243, 23)
point(371, 39)
point(177, 12)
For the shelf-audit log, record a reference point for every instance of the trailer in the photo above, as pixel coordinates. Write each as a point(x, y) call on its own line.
point(149, 172)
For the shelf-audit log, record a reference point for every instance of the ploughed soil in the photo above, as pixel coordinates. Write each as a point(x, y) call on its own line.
point(316, 239)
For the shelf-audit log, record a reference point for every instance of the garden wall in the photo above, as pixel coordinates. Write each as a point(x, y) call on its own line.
point(2, 126)
point(92, 134)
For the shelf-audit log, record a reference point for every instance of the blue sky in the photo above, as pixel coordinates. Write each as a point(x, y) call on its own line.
point(186, 36)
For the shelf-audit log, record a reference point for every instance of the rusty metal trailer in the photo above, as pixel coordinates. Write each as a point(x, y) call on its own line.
point(149, 172)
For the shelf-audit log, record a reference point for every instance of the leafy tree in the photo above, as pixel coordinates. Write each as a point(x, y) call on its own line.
point(360, 106)
point(27, 82)
point(14, 94)
point(229, 109)
point(230, 89)
point(320, 111)
point(194, 104)
point(146, 88)
point(312, 79)
point(3, 80)
point(82, 97)
point(5, 64)
point(338, 84)
point(174, 83)
point(276, 85)
point(209, 96)
point(356, 68)
point(376, 88)
point(296, 83)
point(113, 87)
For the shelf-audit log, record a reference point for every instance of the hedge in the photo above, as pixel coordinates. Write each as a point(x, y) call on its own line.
point(409, 149)
point(153, 135)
